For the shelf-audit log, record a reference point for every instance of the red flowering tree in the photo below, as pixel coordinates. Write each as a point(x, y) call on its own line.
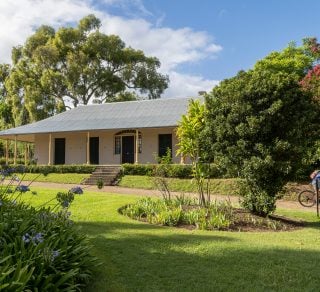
point(311, 82)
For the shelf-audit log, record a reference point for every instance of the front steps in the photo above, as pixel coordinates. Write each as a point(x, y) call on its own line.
point(107, 173)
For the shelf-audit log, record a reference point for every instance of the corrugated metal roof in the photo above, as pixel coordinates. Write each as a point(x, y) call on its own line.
point(119, 115)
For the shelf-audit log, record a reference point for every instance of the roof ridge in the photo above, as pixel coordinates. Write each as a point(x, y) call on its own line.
point(136, 101)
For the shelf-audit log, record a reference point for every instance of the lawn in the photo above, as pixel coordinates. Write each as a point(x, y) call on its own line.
point(218, 186)
point(136, 256)
point(66, 178)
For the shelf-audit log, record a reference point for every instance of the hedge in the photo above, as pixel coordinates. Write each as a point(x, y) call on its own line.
point(55, 168)
point(173, 170)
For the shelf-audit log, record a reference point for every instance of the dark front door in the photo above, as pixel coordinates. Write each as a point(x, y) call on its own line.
point(94, 150)
point(59, 151)
point(128, 149)
point(165, 142)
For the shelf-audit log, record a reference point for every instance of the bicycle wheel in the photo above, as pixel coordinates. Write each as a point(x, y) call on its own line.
point(307, 198)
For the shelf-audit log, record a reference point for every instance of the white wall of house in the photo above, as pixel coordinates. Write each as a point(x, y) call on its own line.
point(76, 152)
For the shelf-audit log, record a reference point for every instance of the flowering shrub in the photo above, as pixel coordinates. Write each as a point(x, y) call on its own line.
point(76, 190)
point(40, 248)
point(22, 188)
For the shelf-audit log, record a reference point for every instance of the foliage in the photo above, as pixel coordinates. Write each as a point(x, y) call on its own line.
point(259, 125)
point(292, 60)
point(160, 172)
point(173, 170)
point(59, 168)
point(40, 248)
point(100, 183)
point(137, 169)
point(217, 215)
point(190, 143)
point(311, 80)
point(75, 66)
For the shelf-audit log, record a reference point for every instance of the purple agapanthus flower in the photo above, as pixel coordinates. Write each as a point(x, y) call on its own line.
point(38, 238)
point(22, 188)
point(26, 238)
point(65, 204)
point(55, 254)
point(77, 190)
point(35, 239)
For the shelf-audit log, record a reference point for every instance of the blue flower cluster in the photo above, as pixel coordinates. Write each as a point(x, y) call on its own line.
point(76, 190)
point(22, 189)
point(54, 255)
point(35, 239)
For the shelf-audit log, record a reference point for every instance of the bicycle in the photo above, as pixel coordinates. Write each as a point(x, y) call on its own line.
point(308, 198)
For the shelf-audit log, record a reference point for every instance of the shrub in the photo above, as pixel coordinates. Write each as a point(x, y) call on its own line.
point(59, 168)
point(137, 169)
point(40, 248)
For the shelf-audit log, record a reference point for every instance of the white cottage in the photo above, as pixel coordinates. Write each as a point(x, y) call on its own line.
point(111, 133)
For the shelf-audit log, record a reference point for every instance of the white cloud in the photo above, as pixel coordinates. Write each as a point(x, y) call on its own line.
point(173, 47)
point(20, 18)
point(184, 85)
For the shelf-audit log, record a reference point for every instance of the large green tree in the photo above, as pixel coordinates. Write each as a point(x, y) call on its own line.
point(259, 125)
point(6, 119)
point(79, 64)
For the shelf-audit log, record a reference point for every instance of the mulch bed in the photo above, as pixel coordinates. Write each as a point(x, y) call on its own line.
point(245, 221)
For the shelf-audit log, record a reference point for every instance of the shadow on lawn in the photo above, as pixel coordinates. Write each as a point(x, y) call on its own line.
point(153, 258)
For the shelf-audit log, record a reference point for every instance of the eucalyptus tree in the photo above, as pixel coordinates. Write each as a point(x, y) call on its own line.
point(54, 70)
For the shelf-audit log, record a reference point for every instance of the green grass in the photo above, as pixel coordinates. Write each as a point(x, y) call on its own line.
point(136, 256)
point(66, 178)
point(218, 186)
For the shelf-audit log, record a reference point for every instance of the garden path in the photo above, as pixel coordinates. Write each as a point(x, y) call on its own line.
point(154, 193)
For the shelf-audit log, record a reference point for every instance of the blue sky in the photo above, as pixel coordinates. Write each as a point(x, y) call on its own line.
point(247, 30)
point(199, 43)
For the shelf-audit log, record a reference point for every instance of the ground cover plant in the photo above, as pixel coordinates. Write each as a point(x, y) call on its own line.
point(40, 247)
point(186, 212)
point(139, 256)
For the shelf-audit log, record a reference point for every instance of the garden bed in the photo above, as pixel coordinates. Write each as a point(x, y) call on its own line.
point(217, 216)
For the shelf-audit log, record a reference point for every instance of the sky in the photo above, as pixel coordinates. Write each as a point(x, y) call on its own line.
point(198, 42)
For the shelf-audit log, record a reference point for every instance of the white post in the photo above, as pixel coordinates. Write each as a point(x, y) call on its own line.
point(137, 148)
point(25, 153)
point(88, 148)
point(7, 152)
point(15, 150)
point(49, 149)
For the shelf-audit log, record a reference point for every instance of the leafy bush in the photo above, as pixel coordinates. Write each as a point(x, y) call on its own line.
point(40, 248)
point(58, 168)
point(172, 170)
point(137, 169)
